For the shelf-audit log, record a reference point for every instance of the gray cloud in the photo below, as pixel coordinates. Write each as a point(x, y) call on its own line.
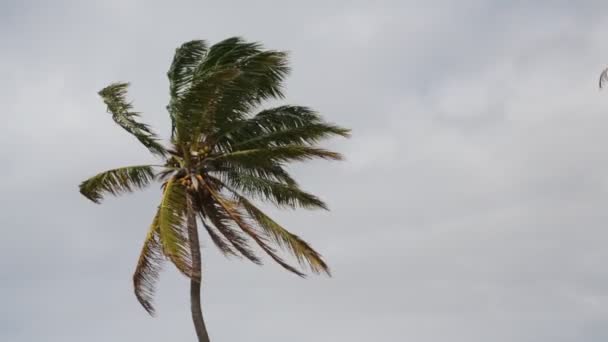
point(471, 207)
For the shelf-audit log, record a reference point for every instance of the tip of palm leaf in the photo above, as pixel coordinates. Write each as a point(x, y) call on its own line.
point(147, 306)
point(90, 197)
point(603, 78)
point(94, 200)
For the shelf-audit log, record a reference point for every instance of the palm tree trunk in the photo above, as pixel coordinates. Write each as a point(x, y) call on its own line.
point(195, 281)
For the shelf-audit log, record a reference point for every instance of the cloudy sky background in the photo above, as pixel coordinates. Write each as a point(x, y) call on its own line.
point(472, 206)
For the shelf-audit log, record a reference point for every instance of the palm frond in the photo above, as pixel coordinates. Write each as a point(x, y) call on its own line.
point(229, 51)
point(286, 125)
point(173, 230)
point(261, 78)
point(278, 154)
point(181, 73)
point(212, 211)
point(220, 242)
point(114, 96)
point(117, 181)
point(278, 126)
point(269, 170)
point(603, 78)
point(185, 61)
point(289, 195)
point(231, 208)
point(148, 267)
point(212, 69)
point(201, 98)
point(303, 252)
point(233, 76)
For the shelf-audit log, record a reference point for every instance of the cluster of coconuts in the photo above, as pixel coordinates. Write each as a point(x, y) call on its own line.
point(172, 162)
point(202, 153)
point(194, 180)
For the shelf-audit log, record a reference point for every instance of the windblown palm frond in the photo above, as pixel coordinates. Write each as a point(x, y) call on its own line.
point(148, 266)
point(172, 226)
point(289, 195)
point(229, 51)
point(220, 242)
point(185, 61)
point(117, 181)
point(212, 211)
point(233, 211)
point(278, 126)
point(181, 73)
point(260, 78)
point(192, 111)
point(225, 83)
point(114, 96)
point(279, 154)
point(603, 78)
point(268, 170)
point(298, 247)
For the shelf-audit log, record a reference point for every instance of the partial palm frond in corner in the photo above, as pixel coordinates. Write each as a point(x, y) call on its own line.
point(603, 78)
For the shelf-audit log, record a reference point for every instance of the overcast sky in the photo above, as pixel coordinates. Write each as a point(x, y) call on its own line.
point(471, 207)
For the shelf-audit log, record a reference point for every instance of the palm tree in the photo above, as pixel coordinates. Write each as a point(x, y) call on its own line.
point(225, 152)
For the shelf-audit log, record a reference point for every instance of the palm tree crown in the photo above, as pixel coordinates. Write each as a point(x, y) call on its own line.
point(225, 153)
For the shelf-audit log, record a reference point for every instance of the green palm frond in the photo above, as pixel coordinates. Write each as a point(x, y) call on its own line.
point(117, 181)
point(261, 78)
point(232, 210)
point(114, 96)
point(306, 135)
point(282, 130)
point(278, 126)
point(212, 211)
point(269, 170)
point(181, 73)
point(229, 51)
point(185, 61)
point(303, 252)
point(280, 194)
point(603, 77)
point(201, 98)
point(148, 267)
point(220, 242)
point(231, 78)
point(205, 72)
point(173, 230)
point(279, 154)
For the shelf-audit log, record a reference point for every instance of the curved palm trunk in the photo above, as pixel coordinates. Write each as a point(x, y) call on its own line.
point(195, 281)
